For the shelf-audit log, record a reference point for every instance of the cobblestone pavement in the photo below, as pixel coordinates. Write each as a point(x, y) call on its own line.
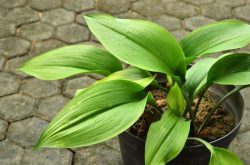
point(30, 27)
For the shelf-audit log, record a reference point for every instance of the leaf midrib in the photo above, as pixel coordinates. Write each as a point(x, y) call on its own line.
point(140, 45)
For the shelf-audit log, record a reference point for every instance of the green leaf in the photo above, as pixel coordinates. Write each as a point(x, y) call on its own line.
point(220, 156)
point(196, 77)
point(139, 43)
point(233, 69)
point(134, 74)
point(98, 113)
point(71, 60)
point(216, 37)
point(166, 138)
point(175, 99)
point(78, 91)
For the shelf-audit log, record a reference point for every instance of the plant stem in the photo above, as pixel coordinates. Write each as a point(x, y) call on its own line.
point(158, 109)
point(199, 101)
point(193, 138)
point(203, 142)
point(192, 120)
point(188, 105)
point(188, 109)
point(196, 139)
point(208, 117)
point(163, 89)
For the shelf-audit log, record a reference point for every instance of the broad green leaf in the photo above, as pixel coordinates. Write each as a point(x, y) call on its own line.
point(78, 91)
point(216, 37)
point(143, 82)
point(71, 60)
point(233, 69)
point(139, 43)
point(196, 76)
point(134, 74)
point(175, 99)
point(220, 156)
point(166, 138)
point(98, 113)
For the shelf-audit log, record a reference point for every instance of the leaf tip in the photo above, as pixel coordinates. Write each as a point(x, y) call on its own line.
point(90, 16)
point(86, 16)
point(21, 68)
point(37, 146)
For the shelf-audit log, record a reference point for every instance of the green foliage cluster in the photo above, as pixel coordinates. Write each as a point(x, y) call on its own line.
point(113, 104)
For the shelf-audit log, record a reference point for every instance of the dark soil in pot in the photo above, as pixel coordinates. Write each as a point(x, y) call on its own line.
point(220, 131)
point(222, 122)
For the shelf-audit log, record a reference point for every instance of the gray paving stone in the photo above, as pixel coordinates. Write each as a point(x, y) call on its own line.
point(12, 3)
point(176, 9)
point(10, 154)
point(16, 107)
point(242, 12)
point(72, 33)
point(131, 15)
point(44, 46)
point(231, 3)
point(13, 46)
point(26, 136)
point(98, 155)
point(58, 17)
point(14, 63)
point(47, 157)
point(9, 84)
point(49, 107)
point(39, 88)
point(93, 38)
point(3, 12)
point(96, 76)
point(149, 7)
point(195, 22)
point(179, 34)
point(245, 49)
point(241, 146)
point(79, 5)
point(246, 95)
point(36, 31)
point(112, 6)
point(22, 15)
point(79, 17)
point(245, 126)
point(200, 2)
point(7, 28)
point(3, 128)
point(2, 60)
point(77, 83)
point(45, 4)
point(216, 11)
point(170, 23)
point(113, 143)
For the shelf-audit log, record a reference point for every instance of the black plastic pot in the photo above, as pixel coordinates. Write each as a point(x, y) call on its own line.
point(132, 147)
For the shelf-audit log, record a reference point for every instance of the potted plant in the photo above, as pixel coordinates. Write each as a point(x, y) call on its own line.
point(112, 105)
